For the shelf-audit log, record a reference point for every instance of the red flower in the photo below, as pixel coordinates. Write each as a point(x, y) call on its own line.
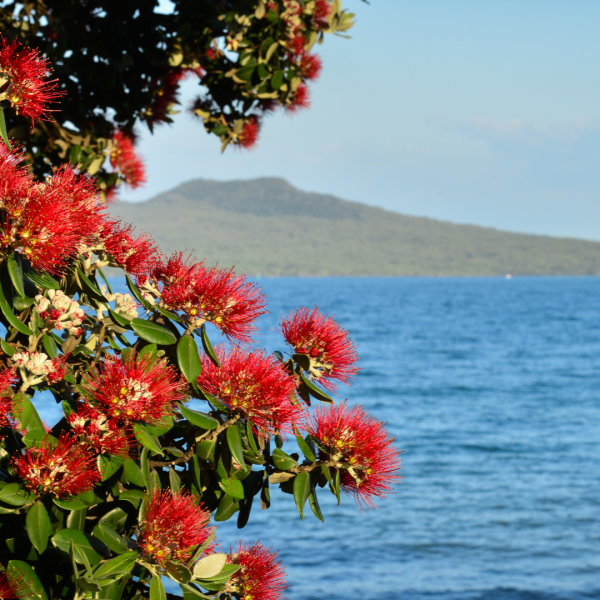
point(134, 254)
point(172, 526)
point(297, 43)
point(24, 80)
point(300, 100)
point(12, 586)
point(7, 378)
point(124, 159)
point(165, 96)
point(321, 13)
point(139, 388)
point(355, 438)
point(332, 353)
point(255, 384)
point(310, 65)
point(60, 468)
point(262, 577)
point(102, 433)
point(48, 223)
point(249, 135)
point(213, 295)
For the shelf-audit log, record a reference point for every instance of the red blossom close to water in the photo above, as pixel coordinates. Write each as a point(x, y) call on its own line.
point(351, 435)
point(7, 378)
point(262, 576)
point(96, 429)
point(134, 254)
point(137, 388)
point(332, 353)
point(24, 80)
point(253, 383)
point(51, 222)
point(249, 135)
point(60, 468)
point(124, 159)
point(173, 525)
point(214, 295)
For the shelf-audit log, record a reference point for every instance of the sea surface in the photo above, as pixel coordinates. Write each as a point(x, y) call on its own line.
point(492, 389)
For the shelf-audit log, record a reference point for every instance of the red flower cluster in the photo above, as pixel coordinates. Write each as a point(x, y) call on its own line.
point(7, 378)
point(60, 468)
point(94, 428)
point(50, 222)
point(138, 388)
point(321, 13)
point(332, 353)
point(12, 587)
point(174, 524)
point(300, 100)
point(262, 577)
point(255, 384)
point(24, 80)
point(249, 135)
point(134, 254)
point(352, 436)
point(212, 295)
point(124, 159)
point(310, 65)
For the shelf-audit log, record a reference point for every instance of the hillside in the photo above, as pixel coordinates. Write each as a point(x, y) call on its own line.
point(268, 227)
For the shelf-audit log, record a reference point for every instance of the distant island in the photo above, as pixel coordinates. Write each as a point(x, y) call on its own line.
point(268, 227)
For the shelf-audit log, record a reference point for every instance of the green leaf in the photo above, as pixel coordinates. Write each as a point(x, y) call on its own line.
point(228, 506)
point(15, 494)
point(174, 480)
point(251, 438)
point(154, 482)
point(76, 519)
point(327, 474)
point(145, 439)
point(111, 538)
point(119, 320)
point(153, 332)
point(134, 290)
point(336, 487)
point(150, 350)
point(234, 441)
point(120, 564)
point(38, 526)
point(225, 575)
point(301, 491)
point(90, 288)
point(305, 448)
point(208, 347)
point(50, 346)
point(168, 314)
point(3, 132)
point(283, 461)
point(188, 358)
point(62, 542)
point(15, 271)
point(314, 504)
point(178, 571)
point(105, 280)
point(210, 566)
point(42, 280)
point(109, 465)
point(245, 73)
point(24, 411)
point(318, 393)
point(69, 504)
point(206, 449)
point(161, 426)
point(10, 316)
point(157, 589)
point(277, 79)
point(133, 473)
point(199, 419)
point(7, 348)
point(233, 487)
point(135, 497)
point(33, 589)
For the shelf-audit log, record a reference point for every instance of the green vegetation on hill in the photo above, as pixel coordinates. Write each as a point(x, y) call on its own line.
point(268, 227)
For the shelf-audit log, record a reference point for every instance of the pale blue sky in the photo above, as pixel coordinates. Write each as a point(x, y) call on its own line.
point(472, 111)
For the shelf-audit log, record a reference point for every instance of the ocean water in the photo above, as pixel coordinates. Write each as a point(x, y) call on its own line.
point(491, 387)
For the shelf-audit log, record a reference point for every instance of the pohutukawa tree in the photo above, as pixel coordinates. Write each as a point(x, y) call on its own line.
point(161, 433)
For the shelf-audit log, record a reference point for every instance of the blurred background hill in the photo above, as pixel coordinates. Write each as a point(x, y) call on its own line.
point(268, 227)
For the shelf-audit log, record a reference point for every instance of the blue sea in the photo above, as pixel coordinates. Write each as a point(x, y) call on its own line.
point(492, 389)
